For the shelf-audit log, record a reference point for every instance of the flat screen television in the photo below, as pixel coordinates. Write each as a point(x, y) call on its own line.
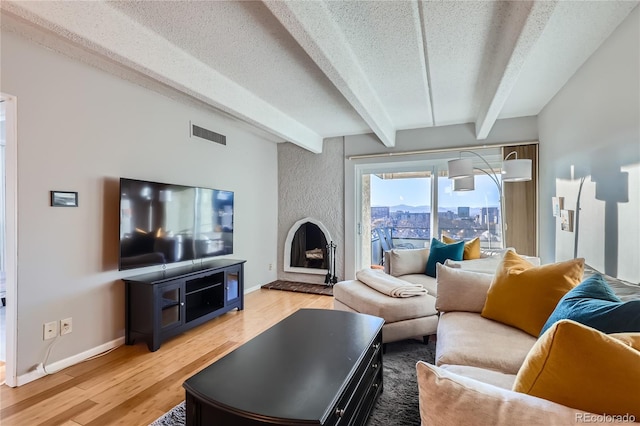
point(162, 223)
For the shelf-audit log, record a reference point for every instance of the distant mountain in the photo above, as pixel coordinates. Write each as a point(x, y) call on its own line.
point(406, 208)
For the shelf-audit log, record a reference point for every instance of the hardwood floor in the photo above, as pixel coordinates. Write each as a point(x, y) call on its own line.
point(132, 386)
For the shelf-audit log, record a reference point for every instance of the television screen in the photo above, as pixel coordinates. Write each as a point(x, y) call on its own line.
point(162, 223)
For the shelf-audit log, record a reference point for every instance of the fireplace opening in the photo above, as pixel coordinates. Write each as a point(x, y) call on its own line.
point(309, 247)
point(306, 247)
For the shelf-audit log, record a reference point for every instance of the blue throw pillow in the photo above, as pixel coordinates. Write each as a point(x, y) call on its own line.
point(440, 252)
point(594, 304)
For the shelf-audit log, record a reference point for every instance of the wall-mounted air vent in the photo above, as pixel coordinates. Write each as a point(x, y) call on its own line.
point(208, 135)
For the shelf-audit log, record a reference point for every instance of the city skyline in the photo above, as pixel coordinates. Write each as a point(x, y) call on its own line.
point(416, 192)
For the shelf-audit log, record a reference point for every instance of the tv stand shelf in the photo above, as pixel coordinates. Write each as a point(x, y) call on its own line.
point(159, 305)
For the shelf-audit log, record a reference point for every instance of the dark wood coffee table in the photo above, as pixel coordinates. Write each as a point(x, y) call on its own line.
point(315, 367)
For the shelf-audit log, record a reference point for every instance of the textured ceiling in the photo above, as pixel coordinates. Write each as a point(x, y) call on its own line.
point(306, 70)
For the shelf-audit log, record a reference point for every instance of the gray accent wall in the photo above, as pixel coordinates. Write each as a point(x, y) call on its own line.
point(311, 185)
point(590, 134)
point(80, 129)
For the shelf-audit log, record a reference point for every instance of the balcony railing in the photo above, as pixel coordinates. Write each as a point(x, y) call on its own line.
point(420, 237)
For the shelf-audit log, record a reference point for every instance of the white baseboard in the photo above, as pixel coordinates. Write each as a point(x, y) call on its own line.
point(251, 290)
point(68, 362)
point(76, 359)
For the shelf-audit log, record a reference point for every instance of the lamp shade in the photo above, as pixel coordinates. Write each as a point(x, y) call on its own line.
point(463, 184)
point(516, 170)
point(460, 168)
point(164, 195)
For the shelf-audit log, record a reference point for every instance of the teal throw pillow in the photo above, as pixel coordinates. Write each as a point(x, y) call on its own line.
point(594, 304)
point(440, 252)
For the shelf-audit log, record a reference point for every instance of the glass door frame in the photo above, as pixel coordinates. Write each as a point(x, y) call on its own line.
point(354, 168)
point(367, 168)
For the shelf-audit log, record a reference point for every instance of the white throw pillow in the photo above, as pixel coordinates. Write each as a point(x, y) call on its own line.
point(450, 399)
point(460, 290)
point(408, 261)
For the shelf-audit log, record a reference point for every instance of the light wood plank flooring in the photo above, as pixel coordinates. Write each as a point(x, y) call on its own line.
point(132, 386)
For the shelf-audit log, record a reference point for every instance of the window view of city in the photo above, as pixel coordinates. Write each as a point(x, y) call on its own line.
point(402, 209)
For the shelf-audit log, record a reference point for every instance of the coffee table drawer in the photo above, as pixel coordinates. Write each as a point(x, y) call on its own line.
point(368, 400)
point(355, 401)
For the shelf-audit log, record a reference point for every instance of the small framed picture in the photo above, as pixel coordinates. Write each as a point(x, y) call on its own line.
point(566, 220)
point(64, 199)
point(558, 204)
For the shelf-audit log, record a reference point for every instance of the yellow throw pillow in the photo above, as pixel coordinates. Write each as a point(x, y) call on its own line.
point(523, 296)
point(471, 247)
point(583, 368)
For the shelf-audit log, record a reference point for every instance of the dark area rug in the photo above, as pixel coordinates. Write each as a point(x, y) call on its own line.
point(300, 287)
point(398, 403)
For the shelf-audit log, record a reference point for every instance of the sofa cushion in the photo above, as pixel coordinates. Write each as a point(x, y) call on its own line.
point(485, 265)
point(466, 338)
point(583, 368)
point(593, 303)
point(471, 247)
point(492, 377)
point(439, 252)
point(407, 261)
point(362, 298)
point(424, 280)
point(450, 399)
point(523, 295)
point(489, 264)
point(623, 289)
point(459, 290)
point(494, 252)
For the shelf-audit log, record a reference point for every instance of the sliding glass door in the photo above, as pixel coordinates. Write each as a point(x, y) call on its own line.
point(404, 202)
point(399, 211)
point(391, 208)
point(464, 215)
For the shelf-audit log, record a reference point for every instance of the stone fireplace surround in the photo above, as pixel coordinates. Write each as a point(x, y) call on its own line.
point(289, 241)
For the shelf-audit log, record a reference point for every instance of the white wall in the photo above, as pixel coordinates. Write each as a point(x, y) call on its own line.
point(524, 129)
point(80, 129)
point(593, 125)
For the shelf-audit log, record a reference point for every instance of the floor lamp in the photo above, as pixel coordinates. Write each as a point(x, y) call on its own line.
point(461, 172)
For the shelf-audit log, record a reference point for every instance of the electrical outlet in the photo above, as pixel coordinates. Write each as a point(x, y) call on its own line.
point(270, 266)
point(66, 326)
point(50, 330)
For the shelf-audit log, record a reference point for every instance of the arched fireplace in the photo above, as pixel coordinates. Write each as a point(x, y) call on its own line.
point(305, 249)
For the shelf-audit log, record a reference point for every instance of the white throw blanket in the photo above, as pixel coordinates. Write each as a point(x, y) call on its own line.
point(388, 284)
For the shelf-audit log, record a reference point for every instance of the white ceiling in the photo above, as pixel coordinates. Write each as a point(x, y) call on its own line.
point(308, 70)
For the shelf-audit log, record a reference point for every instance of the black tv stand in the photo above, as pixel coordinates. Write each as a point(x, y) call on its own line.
point(161, 304)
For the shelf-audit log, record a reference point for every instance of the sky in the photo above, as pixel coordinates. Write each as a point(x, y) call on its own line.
point(416, 192)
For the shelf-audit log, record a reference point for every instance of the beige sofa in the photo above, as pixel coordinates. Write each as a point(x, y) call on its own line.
point(477, 360)
point(412, 317)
